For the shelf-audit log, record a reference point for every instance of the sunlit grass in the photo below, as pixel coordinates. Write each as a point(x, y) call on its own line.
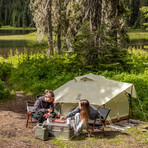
point(16, 28)
point(138, 35)
point(129, 138)
point(30, 36)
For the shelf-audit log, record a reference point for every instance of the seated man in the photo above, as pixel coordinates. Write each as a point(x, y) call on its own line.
point(44, 104)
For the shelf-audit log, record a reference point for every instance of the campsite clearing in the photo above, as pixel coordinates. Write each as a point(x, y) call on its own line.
point(14, 134)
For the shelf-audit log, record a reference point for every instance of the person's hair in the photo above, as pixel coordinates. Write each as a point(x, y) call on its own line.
point(49, 93)
point(84, 111)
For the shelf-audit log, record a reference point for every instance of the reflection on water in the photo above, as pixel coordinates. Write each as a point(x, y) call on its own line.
point(6, 46)
point(13, 43)
point(5, 52)
point(15, 32)
point(19, 46)
point(139, 42)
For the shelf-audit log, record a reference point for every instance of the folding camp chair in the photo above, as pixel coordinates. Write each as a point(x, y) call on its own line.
point(30, 107)
point(104, 113)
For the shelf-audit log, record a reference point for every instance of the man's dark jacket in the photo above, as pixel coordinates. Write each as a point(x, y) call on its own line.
point(41, 106)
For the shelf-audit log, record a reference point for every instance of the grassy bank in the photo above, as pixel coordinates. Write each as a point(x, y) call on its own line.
point(16, 28)
point(30, 36)
point(138, 34)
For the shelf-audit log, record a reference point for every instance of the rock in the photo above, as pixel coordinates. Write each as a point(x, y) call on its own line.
point(136, 121)
point(145, 126)
point(143, 130)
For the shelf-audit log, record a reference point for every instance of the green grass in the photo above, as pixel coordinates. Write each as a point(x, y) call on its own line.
point(30, 36)
point(138, 35)
point(129, 138)
point(16, 28)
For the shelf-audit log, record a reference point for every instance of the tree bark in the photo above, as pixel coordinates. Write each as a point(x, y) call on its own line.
point(50, 38)
point(59, 29)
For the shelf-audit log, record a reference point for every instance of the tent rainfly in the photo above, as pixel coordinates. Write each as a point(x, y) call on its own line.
point(98, 91)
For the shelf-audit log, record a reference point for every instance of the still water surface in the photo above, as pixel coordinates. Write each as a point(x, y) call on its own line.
point(11, 46)
point(7, 46)
point(15, 32)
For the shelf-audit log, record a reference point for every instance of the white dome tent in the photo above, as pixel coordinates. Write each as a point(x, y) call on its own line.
point(98, 91)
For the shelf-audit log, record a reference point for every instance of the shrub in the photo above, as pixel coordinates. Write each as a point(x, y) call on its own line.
point(5, 70)
point(4, 92)
point(35, 73)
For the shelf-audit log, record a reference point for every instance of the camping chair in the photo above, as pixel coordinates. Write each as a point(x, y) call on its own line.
point(30, 107)
point(104, 113)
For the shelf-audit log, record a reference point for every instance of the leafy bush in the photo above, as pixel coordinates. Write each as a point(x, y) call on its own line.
point(5, 70)
point(0, 24)
point(4, 92)
point(35, 73)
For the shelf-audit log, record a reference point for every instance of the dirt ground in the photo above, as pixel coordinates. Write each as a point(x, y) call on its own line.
point(14, 134)
point(13, 131)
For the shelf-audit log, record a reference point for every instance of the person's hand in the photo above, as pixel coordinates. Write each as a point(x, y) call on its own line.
point(49, 115)
point(101, 106)
point(63, 118)
point(50, 110)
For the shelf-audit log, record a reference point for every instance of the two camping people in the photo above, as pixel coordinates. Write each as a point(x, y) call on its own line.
point(83, 112)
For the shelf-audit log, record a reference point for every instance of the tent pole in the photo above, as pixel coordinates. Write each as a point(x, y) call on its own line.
point(130, 107)
point(60, 107)
point(130, 103)
point(118, 118)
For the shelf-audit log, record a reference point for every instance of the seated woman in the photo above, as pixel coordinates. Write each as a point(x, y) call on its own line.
point(81, 118)
point(81, 114)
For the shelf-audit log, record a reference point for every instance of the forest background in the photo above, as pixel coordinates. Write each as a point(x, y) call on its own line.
point(82, 37)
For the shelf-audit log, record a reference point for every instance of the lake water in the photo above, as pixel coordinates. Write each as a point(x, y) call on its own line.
point(7, 46)
point(139, 42)
point(15, 32)
point(11, 46)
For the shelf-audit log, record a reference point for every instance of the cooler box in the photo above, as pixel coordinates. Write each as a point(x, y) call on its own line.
point(59, 130)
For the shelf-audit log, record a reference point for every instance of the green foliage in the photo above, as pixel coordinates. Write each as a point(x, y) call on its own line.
point(136, 19)
point(35, 73)
point(106, 55)
point(5, 70)
point(144, 10)
point(15, 13)
point(0, 24)
point(4, 92)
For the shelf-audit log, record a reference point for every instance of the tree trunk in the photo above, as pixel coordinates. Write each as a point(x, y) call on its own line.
point(59, 29)
point(50, 38)
point(95, 24)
